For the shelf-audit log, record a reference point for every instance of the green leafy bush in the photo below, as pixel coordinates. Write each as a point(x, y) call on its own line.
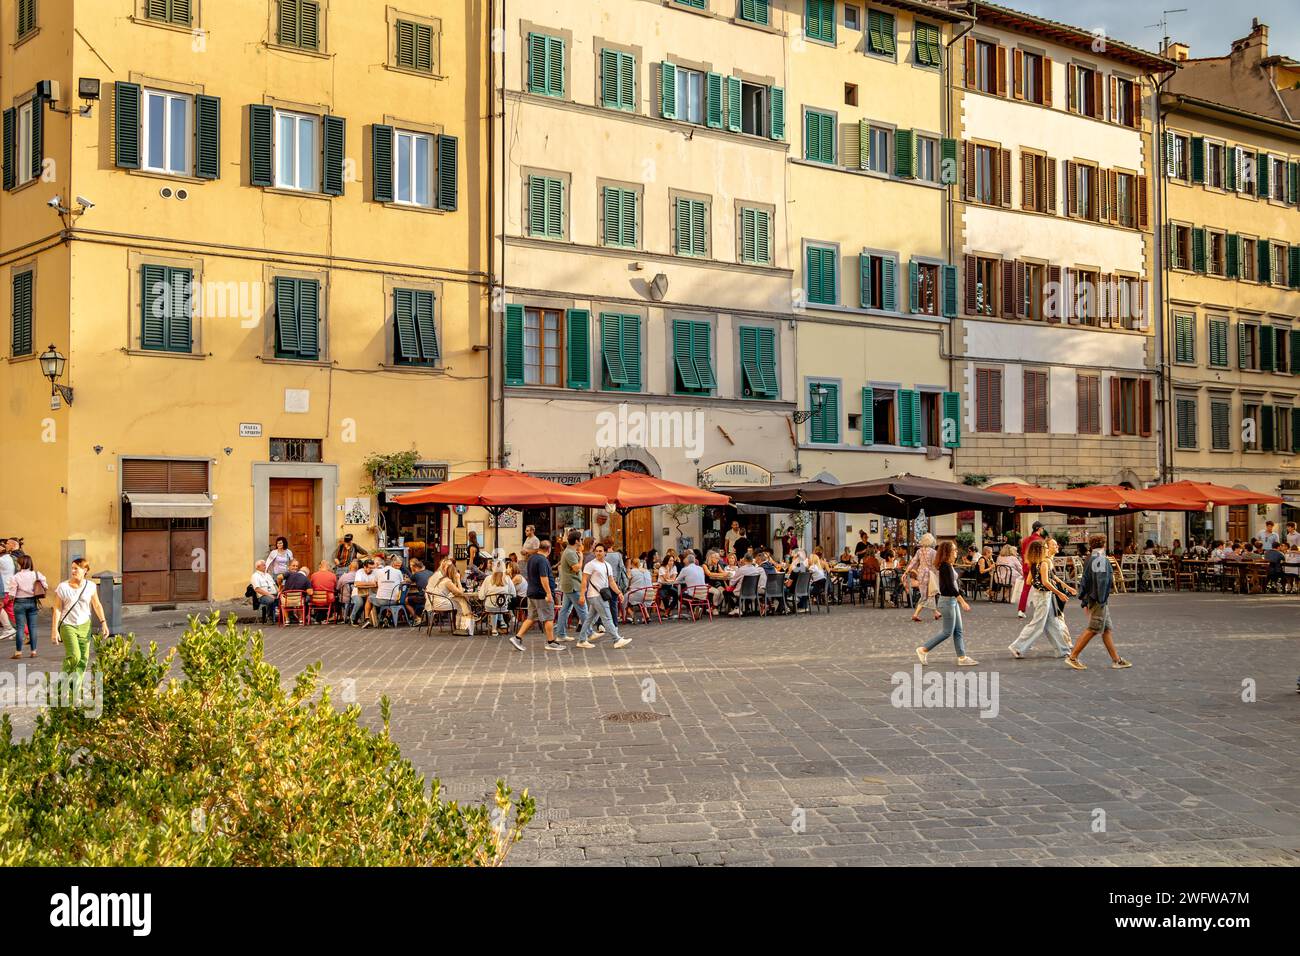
point(226, 767)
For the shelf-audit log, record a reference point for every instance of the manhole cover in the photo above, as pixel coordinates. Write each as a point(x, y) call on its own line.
point(634, 716)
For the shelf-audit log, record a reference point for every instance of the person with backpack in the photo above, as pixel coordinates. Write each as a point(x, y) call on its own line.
point(1094, 594)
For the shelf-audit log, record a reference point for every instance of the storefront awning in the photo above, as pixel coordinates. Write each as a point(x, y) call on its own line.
point(153, 505)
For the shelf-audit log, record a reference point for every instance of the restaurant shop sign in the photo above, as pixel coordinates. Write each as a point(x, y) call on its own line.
point(424, 473)
point(736, 474)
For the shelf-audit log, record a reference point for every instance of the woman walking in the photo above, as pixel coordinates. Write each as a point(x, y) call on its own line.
point(26, 587)
point(921, 571)
point(951, 604)
point(75, 601)
point(277, 562)
point(1044, 618)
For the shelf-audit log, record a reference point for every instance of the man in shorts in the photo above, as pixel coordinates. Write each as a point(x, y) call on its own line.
point(1094, 593)
point(541, 599)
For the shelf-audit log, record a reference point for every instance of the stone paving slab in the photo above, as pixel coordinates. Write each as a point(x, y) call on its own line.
point(781, 743)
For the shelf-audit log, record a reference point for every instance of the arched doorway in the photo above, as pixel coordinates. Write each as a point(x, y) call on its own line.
point(634, 531)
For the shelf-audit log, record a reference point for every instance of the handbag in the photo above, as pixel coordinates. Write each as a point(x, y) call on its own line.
point(38, 589)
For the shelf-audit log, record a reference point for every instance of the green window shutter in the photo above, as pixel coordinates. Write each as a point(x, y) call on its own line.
point(36, 161)
point(904, 154)
point(286, 317)
point(381, 162)
point(748, 235)
point(1264, 260)
point(126, 126)
point(10, 171)
point(1218, 331)
point(578, 348)
point(1198, 250)
point(446, 189)
point(1231, 159)
point(913, 286)
point(868, 416)
point(909, 418)
point(545, 207)
point(947, 161)
point(762, 237)
point(755, 11)
point(752, 377)
point(21, 329)
point(1198, 159)
point(627, 218)
point(949, 275)
point(1243, 346)
point(613, 205)
point(1295, 368)
point(863, 159)
point(611, 349)
point(819, 137)
point(333, 149)
point(824, 426)
point(261, 156)
point(426, 327)
point(827, 137)
point(1293, 184)
point(627, 81)
point(733, 104)
point(819, 20)
point(684, 357)
point(701, 355)
point(609, 82)
point(767, 362)
point(1171, 169)
point(514, 345)
point(1267, 422)
point(1232, 256)
point(406, 44)
point(699, 241)
point(1295, 429)
point(207, 137)
point(536, 63)
point(713, 100)
point(309, 318)
point(287, 23)
point(880, 32)
point(407, 343)
point(888, 288)
point(864, 280)
point(309, 28)
point(179, 312)
point(26, 17)
point(667, 90)
point(631, 351)
point(683, 223)
point(554, 66)
point(820, 279)
point(555, 208)
point(1293, 270)
point(1261, 174)
point(1266, 343)
point(1184, 350)
point(156, 9)
point(776, 106)
point(951, 433)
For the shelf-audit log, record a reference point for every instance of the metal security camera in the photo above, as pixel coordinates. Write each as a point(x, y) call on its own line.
point(55, 202)
point(85, 203)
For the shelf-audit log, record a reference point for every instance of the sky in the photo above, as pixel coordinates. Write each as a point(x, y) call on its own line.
point(1208, 26)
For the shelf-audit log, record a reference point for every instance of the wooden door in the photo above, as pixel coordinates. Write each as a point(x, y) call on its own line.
point(1125, 528)
point(145, 563)
point(638, 532)
point(189, 561)
point(1239, 522)
point(827, 534)
point(293, 514)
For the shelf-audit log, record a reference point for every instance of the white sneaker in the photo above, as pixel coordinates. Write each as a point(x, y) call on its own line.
point(518, 644)
point(622, 642)
point(1020, 614)
point(584, 645)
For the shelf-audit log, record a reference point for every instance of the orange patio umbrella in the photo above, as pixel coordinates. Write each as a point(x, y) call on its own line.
point(627, 491)
point(1121, 498)
point(1206, 494)
point(497, 489)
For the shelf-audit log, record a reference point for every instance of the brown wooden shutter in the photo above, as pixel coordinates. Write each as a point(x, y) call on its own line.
point(1049, 194)
point(970, 63)
point(1070, 104)
point(1035, 388)
point(1047, 81)
point(1144, 407)
point(1089, 413)
point(1097, 102)
point(1071, 177)
point(1112, 189)
point(981, 400)
point(1142, 214)
point(1019, 291)
point(1004, 176)
point(1105, 288)
point(1018, 74)
point(1069, 291)
point(971, 276)
point(1135, 91)
point(1009, 288)
point(1054, 282)
point(1027, 198)
point(1002, 71)
point(1116, 416)
point(1113, 110)
point(1100, 196)
point(968, 173)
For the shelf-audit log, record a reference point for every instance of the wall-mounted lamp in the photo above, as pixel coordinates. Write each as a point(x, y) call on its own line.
point(818, 400)
point(53, 363)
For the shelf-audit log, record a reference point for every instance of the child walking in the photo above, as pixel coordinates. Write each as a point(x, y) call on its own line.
point(951, 604)
point(1094, 593)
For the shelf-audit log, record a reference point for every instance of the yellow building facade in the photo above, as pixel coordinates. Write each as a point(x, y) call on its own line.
point(261, 246)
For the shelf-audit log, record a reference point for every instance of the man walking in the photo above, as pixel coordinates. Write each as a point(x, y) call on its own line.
point(541, 599)
point(599, 591)
point(569, 581)
point(1035, 532)
point(1094, 594)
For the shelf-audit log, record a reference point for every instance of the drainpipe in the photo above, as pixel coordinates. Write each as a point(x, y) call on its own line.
point(496, 397)
point(1160, 294)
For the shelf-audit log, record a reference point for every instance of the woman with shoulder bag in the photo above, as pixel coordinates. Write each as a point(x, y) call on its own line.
point(27, 587)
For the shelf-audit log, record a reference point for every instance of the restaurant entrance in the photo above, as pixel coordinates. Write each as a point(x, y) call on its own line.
point(715, 522)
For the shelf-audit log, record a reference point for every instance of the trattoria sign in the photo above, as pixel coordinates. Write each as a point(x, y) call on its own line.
point(737, 473)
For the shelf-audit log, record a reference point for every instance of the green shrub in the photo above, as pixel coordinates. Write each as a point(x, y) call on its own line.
point(226, 767)
point(964, 540)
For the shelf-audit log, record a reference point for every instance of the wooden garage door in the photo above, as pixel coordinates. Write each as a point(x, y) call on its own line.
point(163, 559)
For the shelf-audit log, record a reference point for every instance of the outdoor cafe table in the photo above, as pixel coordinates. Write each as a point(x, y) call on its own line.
point(1250, 574)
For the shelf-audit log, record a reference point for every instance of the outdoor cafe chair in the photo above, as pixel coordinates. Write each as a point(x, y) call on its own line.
point(774, 592)
point(695, 602)
point(1154, 571)
point(323, 601)
point(747, 596)
point(496, 610)
point(1128, 571)
point(643, 599)
point(1001, 583)
point(396, 612)
point(293, 603)
point(802, 591)
point(439, 608)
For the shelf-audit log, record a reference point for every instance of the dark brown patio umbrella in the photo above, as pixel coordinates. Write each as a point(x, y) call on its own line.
point(787, 497)
point(903, 496)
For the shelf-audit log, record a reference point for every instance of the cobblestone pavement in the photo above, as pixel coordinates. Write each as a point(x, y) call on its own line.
point(780, 744)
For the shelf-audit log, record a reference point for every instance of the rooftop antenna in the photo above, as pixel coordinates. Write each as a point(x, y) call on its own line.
point(1163, 26)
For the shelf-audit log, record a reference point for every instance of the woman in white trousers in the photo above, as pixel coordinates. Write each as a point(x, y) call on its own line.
point(1045, 618)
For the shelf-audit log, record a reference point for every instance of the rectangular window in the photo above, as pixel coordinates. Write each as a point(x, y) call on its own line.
point(1084, 91)
point(692, 357)
point(1180, 247)
point(691, 223)
point(824, 402)
point(618, 80)
point(852, 17)
point(884, 420)
point(413, 168)
point(620, 211)
point(928, 42)
point(758, 362)
point(415, 327)
point(1088, 389)
point(1126, 200)
point(1215, 253)
point(927, 292)
point(1250, 412)
point(20, 340)
point(819, 20)
point(1249, 262)
point(1177, 151)
point(1185, 421)
point(26, 17)
point(754, 114)
point(1185, 339)
point(755, 236)
point(546, 207)
point(1084, 191)
point(23, 142)
point(1032, 65)
point(754, 11)
point(1248, 353)
point(878, 282)
point(297, 318)
point(1281, 359)
point(880, 33)
point(1277, 181)
point(1130, 411)
point(1278, 271)
point(881, 150)
point(927, 159)
point(819, 136)
point(1032, 290)
point(988, 399)
point(620, 350)
point(1037, 182)
point(986, 285)
point(1125, 106)
point(1283, 429)
point(690, 95)
point(543, 346)
point(1214, 165)
point(545, 65)
point(1035, 401)
point(820, 279)
point(986, 174)
point(414, 49)
point(298, 24)
point(1218, 342)
point(986, 69)
point(1087, 299)
point(1220, 433)
point(167, 133)
point(297, 151)
point(167, 11)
